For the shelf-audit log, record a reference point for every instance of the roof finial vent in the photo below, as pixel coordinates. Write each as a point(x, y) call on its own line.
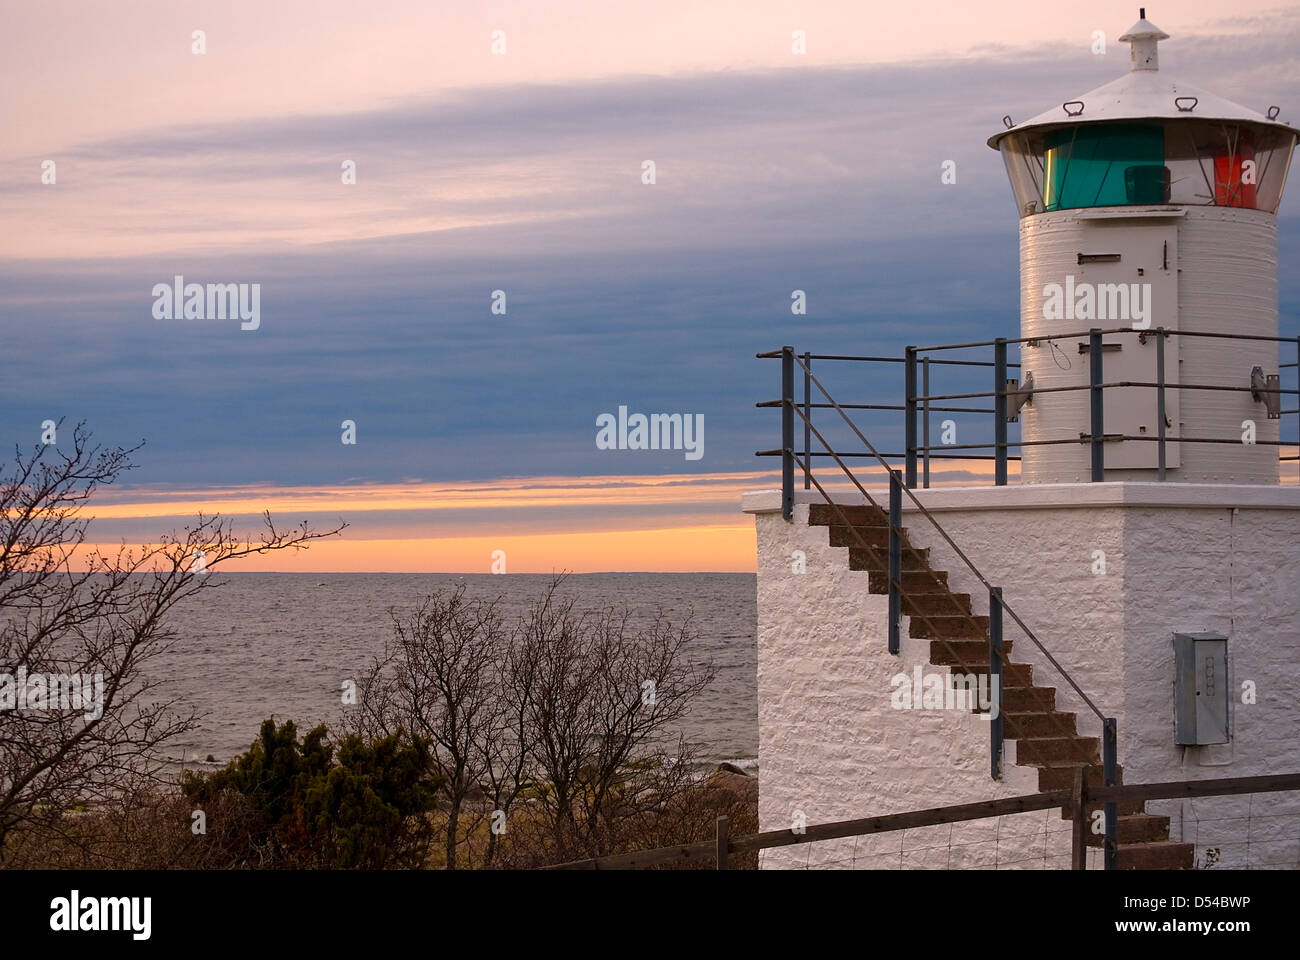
point(1142, 38)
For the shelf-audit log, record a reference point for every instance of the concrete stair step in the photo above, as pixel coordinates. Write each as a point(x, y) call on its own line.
point(943, 604)
point(953, 652)
point(1165, 855)
point(860, 558)
point(1016, 674)
point(1060, 775)
point(1019, 724)
point(1034, 751)
point(861, 537)
point(956, 627)
point(913, 582)
point(1143, 828)
point(1027, 698)
point(1135, 828)
point(824, 515)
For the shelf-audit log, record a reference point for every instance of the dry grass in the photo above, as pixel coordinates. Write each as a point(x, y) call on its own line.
point(154, 830)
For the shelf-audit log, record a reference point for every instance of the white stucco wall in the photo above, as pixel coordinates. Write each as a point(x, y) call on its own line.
point(832, 747)
point(1176, 559)
point(1240, 578)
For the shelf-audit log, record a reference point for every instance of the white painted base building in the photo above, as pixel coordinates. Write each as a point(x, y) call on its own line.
point(832, 747)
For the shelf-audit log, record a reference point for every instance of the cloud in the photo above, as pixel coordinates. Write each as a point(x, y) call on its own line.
point(375, 298)
point(812, 154)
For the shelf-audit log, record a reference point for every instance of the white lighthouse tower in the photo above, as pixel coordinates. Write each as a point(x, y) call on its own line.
point(1149, 547)
point(1150, 203)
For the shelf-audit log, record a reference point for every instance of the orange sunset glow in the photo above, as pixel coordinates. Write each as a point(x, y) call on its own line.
point(667, 523)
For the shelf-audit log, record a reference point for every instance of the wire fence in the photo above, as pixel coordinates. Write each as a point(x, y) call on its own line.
point(1020, 833)
point(1265, 836)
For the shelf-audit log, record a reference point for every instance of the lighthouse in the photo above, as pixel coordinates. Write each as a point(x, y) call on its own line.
point(1149, 203)
point(1142, 577)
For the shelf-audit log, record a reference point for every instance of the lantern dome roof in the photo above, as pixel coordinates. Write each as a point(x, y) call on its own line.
point(1144, 93)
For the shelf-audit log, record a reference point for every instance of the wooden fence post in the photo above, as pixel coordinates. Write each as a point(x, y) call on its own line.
point(722, 843)
point(1079, 805)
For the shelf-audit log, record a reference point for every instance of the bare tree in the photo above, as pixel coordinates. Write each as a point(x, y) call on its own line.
point(556, 645)
point(508, 737)
point(604, 698)
point(437, 679)
point(647, 684)
point(71, 613)
point(577, 709)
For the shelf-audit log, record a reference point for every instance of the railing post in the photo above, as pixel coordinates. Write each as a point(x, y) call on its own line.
point(909, 424)
point(1000, 412)
point(925, 422)
point(1160, 396)
point(787, 432)
point(1110, 771)
point(895, 558)
point(807, 421)
point(722, 841)
point(1098, 426)
point(995, 681)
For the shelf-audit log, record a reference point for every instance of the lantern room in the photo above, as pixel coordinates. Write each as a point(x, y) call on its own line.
point(1143, 140)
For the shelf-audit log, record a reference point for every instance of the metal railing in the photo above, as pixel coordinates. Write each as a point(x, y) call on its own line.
point(1097, 438)
point(918, 402)
point(913, 403)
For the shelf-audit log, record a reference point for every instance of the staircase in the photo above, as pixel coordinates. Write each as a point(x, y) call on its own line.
point(1047, 738)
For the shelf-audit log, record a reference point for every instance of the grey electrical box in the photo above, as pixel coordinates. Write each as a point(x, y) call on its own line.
point(1201, 687)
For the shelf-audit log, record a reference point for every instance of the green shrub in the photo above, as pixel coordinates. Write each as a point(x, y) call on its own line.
point(356, 803)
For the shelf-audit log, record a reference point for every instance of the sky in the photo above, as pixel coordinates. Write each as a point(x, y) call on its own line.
point(519, 171)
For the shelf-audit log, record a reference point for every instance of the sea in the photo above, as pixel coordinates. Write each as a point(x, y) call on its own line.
point(281, 644)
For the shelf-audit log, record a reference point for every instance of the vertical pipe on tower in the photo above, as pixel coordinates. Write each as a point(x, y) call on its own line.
point(1098, 427)
point(1160, 396)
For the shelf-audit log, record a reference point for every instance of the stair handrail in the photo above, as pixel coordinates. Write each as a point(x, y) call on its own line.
point(1106, 721)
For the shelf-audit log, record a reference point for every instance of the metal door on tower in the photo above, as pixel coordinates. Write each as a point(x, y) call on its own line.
point(1130, 269)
